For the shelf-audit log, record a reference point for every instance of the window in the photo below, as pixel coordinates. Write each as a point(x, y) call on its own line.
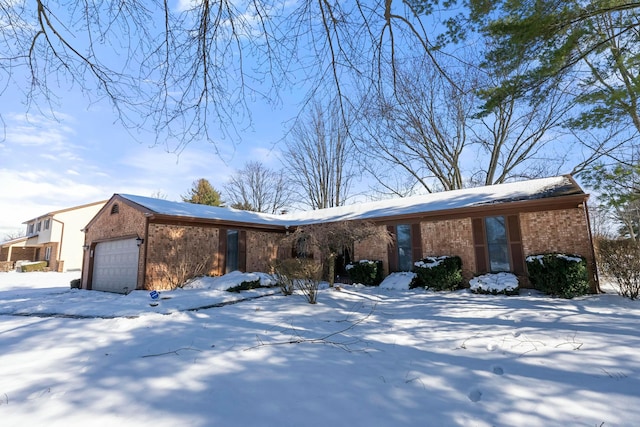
point(497, 243)
point(232, 251)
point(47, 223)
point(302, 249)
point(403, 245)
point(47, 253)
point(39, 226)
point(30, 229)
point(115, 209)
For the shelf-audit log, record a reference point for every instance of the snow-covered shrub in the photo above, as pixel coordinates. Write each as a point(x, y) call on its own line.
point(620, 259)
point(498, 283)
point(559, 275)
point(246, 285)
point(365, 272)
point(442, 273)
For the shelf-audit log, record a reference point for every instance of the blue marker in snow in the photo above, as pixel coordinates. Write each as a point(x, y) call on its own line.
point(154, 295)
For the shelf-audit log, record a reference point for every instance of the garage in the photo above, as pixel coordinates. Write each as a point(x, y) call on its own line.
point(115, 266)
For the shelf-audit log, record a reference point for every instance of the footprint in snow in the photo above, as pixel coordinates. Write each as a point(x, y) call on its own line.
point(492, 346)
point(474, 395)
point(497, 370)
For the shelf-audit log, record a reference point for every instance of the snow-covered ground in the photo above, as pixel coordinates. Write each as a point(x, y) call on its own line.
point(360, 357)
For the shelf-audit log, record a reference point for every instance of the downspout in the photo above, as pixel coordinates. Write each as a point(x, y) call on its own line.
point(60, 243)
point(594, 266)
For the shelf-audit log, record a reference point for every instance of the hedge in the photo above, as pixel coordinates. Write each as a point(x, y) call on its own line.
point(558, 274)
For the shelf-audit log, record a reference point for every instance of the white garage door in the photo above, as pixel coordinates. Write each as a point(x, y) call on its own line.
point(115, 266)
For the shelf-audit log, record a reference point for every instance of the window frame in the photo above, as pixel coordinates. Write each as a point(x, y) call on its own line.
point(497, 244)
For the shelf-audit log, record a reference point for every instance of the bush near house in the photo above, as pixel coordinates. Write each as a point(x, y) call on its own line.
point(298, 273)
point(365, 272)
point(246, 285)
point(33, 266)
point(620, 260)
point(558, 274)
point(495, 284)
point(442, 273)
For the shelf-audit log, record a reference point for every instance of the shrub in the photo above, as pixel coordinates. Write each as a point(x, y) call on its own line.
point(302, 274)
point(368, 273)
point(559, 275)
point(494, 284)
point(620, 259)
point(76, 283)
point(443, 273)
point(33, 266)
point(246, 285)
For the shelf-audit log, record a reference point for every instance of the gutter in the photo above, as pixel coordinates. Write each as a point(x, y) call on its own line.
point(59, 243)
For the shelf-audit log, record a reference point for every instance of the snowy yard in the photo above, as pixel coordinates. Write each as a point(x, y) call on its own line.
point(360, 357)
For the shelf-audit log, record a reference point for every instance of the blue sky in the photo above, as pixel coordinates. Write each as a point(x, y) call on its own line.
point(85, 156)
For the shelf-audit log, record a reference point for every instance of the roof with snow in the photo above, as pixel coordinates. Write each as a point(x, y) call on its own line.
point(471, 197)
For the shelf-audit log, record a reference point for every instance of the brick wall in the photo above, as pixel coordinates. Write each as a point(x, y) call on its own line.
point(18, 254)
point(556, 231)
point(450, 237)
point(176, 252)
point(262, 249)
point(562, 231)
point(373, 250)
point(127, 222)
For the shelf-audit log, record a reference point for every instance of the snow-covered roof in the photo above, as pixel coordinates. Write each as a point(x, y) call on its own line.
point(191, 210)
point(434, 202)
point(14, 241)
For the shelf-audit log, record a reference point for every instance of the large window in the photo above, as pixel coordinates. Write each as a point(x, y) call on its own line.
point(232, 251)
point(497, 243)
point(403, 243)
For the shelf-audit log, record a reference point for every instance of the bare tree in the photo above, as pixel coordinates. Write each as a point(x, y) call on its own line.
point(513, 136)
point(420, 129)
point(188, 71)
point(328, 239)
point(258, 188)
point(16, 234)
point(320, 157)
point(430, 132)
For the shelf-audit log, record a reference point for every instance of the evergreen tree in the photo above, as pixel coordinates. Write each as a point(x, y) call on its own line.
point(203, 193)
point(619, 188)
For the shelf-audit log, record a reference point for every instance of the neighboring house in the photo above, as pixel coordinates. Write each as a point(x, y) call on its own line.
point(14, 250)
point(55, 237)
point(144, 243)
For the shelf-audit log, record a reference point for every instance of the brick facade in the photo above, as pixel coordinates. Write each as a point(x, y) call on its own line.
point(556, 231)
point(175, 252)
point(18, 254)
point(372, 250)
point(262, 249)
point(126, 223)
point(562, 230)
point(450, 237)
point(444, 237)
